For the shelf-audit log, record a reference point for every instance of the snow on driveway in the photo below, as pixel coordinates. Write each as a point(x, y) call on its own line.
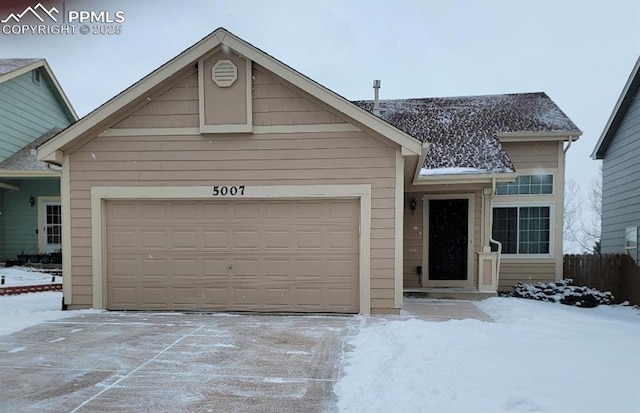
point(25, 310)
point(536, 357)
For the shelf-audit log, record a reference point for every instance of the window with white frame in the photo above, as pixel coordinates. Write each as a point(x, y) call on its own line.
point(523, 230)
point(538, 184)
point(631, 243)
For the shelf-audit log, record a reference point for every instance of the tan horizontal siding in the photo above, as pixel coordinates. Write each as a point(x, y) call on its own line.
point(144, 161)
point(176, 107)
point(276, 102)
point(377, 283)
point(533, 155)
point(381, 305)
point(512, 273)
point(382, 293)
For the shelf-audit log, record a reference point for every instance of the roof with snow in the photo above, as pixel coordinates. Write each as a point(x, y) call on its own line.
point(462, 130)
point(10, 65)
point(26, 159)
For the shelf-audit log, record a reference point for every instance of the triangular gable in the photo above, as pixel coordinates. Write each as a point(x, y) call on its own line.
point(34, 64)
point(104, 116)
point(622, 105)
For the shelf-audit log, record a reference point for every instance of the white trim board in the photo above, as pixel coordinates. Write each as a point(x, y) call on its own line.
point(257, 130)
point(99, 196)
point(65, 194)
point(399, 232)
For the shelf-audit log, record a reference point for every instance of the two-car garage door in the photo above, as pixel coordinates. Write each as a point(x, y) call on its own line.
point(275, 255)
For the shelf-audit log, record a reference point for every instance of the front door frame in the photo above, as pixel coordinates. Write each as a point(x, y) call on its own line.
point(468, 283)
point(43, 201)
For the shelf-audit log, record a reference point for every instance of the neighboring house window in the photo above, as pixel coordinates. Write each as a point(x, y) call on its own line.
point(35, 76)
point(540, 184)
point(523, 230)
point(631, 243)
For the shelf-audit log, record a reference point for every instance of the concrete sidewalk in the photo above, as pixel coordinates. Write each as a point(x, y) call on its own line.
point(441, 310)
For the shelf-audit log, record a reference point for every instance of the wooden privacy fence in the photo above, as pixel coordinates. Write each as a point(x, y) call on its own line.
point(617, 273)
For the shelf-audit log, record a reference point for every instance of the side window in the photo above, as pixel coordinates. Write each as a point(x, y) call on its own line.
point(540, 184)
point(631, 243)
point(523, 230)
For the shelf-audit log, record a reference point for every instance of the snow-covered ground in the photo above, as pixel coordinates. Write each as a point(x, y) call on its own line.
point(18, 276)
point(536, 357)
point(18, 312)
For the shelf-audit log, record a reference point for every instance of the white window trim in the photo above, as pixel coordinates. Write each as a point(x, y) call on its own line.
point(552, 209)
point(525, 172)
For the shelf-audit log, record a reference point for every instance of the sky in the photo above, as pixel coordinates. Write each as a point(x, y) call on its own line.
point(580, 52)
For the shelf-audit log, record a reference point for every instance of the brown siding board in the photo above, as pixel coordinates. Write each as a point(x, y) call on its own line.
point(382, 304)
point(382, 293)
point(276, 102)
point(512, 273)
point(179, 107)
point(532, 155)
point(160, 121)
point(378, 283)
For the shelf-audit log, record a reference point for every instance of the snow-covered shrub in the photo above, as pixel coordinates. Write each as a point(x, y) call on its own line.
point(563, 292)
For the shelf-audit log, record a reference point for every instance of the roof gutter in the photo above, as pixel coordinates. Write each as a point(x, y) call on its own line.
point(464, 178)
point(6, 173)
point(423, 154)
point(538, 136)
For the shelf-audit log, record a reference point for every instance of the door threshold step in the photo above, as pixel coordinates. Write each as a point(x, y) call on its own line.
point(449, 293)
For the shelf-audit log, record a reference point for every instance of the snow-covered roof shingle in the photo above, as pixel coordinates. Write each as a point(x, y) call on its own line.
point(10, 65)
point(462, 130)
point(26, 158)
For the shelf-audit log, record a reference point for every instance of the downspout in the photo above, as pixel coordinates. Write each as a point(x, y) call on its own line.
point(568, 145)
point(491, 240)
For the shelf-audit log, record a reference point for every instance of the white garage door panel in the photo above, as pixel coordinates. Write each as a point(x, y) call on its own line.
point(233, 255)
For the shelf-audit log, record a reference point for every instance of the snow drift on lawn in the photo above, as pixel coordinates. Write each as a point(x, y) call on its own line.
point(18, 276)
point(26, 310)
point(536, 357)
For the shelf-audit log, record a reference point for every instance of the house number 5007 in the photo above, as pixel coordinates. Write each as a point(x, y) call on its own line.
point(228, 190)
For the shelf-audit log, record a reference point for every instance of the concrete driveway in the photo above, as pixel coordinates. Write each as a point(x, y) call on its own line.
point(171, 362)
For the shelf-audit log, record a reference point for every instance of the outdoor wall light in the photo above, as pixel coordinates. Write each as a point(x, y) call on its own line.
point(32, 201)
point(412, 205)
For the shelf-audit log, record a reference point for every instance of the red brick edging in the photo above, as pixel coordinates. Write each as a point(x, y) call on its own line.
point(29, 289)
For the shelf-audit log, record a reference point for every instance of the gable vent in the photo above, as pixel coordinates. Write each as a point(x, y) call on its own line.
point(224, 73)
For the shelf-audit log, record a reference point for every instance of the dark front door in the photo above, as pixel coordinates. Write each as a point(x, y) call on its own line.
point(448, 239)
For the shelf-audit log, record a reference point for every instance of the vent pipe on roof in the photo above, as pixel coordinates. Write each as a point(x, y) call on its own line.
point(376, 97)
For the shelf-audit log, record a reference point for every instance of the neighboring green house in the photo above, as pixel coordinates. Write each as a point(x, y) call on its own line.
point(33, 108)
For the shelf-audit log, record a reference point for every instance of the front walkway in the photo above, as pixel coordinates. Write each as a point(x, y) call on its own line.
point(441, 310)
